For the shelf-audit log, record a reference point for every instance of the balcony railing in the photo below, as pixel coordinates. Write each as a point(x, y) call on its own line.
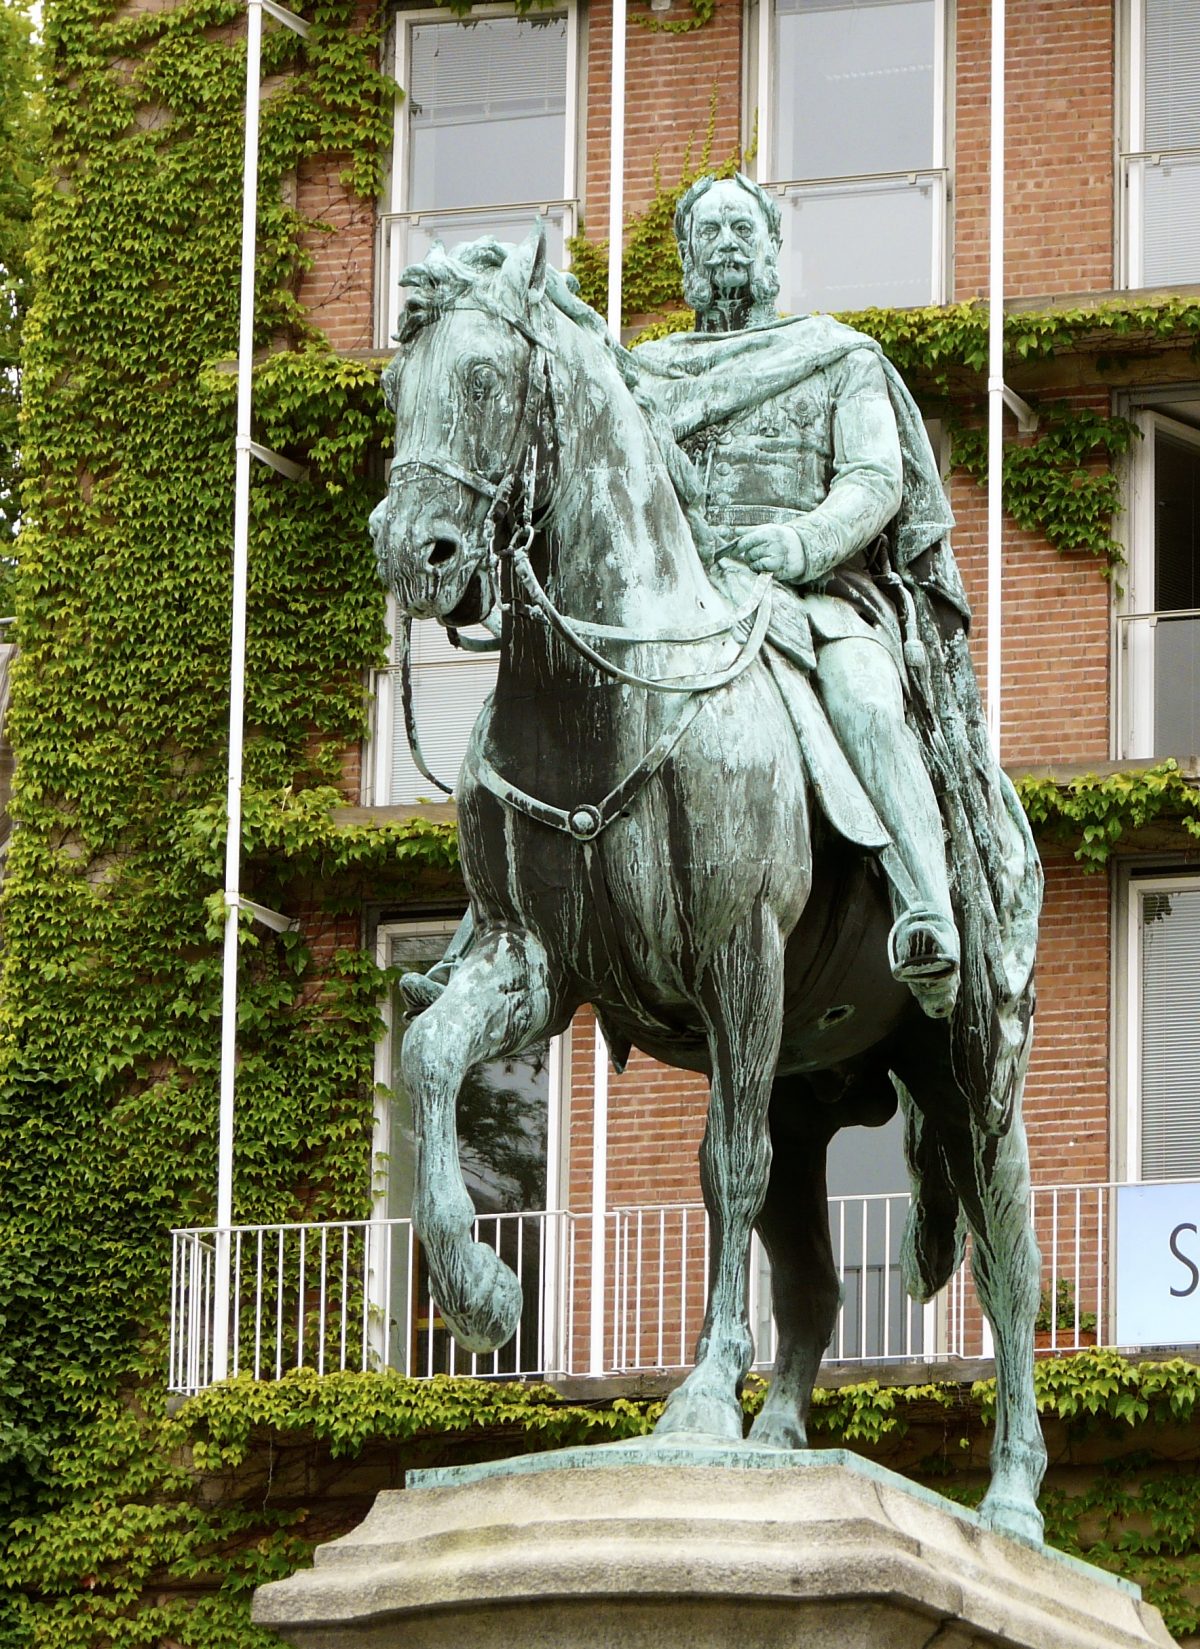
point(1158, 683)
point(857, 242)
point(354, 1294)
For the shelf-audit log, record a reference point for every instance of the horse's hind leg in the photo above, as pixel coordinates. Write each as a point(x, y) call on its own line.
point(805, 1293)
point(741, 998)
point(497, 1002)
point(991, 1178)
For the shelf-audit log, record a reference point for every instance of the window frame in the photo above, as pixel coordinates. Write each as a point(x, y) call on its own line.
point(1134, 880)
point(394, 207)
point(1133, 673)
point(758, 131)
point(385, 708)
point(1130, 148)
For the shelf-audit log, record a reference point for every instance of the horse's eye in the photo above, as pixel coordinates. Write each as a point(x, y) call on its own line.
point(482, 382)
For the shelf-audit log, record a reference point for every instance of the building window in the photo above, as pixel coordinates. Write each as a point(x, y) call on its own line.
point(510, 1146)
point(449, 687)
point(1158, 633)
point(1162, 1026)
point(484, 138)
point(1161, 163)
point(850, 119)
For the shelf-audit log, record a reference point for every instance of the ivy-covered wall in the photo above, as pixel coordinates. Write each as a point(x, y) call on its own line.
point(109, 982)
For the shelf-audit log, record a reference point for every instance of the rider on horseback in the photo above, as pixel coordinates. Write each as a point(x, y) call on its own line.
point(802, 470)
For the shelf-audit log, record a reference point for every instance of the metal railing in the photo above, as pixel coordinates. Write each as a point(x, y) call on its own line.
point(1158, 683)
point(355, 1294)
point(406, 237)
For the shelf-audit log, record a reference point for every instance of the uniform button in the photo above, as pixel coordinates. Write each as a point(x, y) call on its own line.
point(724, 469)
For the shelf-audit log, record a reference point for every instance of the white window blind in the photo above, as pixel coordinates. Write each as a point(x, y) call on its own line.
point(1171, 46)
point(1167, 185)
point(1169, 1023)
point(487, 112)
point(449, 688)
point(856, 146)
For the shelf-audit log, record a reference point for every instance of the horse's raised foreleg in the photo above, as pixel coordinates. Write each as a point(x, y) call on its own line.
point(497, 1002)
point(805, 1293)
point(741, 999)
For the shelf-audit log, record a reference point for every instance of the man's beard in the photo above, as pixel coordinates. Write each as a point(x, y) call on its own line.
point(702, 294)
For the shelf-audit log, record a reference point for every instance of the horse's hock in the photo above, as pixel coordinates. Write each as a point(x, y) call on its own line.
point(618, 1547)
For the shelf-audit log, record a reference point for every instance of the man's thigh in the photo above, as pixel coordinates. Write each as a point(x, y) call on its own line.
point(858, 682)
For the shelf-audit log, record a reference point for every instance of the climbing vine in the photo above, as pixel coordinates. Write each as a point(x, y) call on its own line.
point(1095, 812)
point(110, 977)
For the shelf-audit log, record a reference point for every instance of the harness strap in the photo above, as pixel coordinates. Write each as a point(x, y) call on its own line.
point(404, 647)
point(586, 820)
point(452, 472)
point(563, 628)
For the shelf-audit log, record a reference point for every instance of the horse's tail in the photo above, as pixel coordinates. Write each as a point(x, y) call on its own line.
point(934, 1240)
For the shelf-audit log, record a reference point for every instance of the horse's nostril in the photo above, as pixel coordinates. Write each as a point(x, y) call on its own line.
point(444, 549)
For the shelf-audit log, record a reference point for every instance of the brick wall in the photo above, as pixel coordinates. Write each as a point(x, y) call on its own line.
point(338, 291)
point(670, 82)
point(1059, 115)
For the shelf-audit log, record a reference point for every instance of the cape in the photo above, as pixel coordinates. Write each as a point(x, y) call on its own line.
point(693, 380)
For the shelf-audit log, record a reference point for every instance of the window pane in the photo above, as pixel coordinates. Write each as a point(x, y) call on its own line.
point(1170, 1034)
point(453, 228)
point(1172, 58)
point(449, 688)
point(1176, 523)
point(848, 246)
point(487, 120)
point(1176, 687)
point(1170, 197)
point(853, 87)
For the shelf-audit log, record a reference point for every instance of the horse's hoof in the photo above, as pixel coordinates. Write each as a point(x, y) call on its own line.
point(1008, 1514)
point(482, 1307)
point(778, 1431)
point(418, 992)
point(701, 1414)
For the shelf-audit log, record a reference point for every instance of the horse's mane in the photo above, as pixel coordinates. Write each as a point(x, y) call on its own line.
point(445, 278)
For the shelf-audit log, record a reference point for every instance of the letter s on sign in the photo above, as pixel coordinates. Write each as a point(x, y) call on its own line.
point(1182, 1293)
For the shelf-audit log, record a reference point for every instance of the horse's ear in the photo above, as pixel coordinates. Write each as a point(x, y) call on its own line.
point(523, 274)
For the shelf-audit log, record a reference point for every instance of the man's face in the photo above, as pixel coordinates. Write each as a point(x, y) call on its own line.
point(730, 238)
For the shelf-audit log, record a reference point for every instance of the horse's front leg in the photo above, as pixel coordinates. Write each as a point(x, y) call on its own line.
point(741, 998)
point(497, 1002)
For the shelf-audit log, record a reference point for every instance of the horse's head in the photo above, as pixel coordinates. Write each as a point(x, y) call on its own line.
point(465, 390)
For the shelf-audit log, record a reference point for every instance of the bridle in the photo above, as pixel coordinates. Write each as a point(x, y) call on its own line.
point(585, 821)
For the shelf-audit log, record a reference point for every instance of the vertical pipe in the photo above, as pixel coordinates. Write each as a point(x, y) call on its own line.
point(237, 688)
point(995, 516)
point(599, 1196)
point(616, 173)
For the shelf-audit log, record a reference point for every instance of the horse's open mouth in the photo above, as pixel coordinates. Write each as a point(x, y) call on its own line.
point(472, 608)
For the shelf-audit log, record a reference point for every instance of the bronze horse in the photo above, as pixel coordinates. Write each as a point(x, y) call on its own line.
point(637, 831)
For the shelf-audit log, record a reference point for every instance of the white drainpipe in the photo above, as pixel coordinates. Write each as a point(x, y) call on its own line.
point(616, 173)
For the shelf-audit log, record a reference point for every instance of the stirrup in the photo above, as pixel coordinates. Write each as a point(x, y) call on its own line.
point(923, 953)
point(418, 992)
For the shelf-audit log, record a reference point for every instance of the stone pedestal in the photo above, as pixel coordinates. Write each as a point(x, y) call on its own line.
point(626, 1547)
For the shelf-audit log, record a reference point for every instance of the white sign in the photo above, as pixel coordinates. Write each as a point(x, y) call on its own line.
point(1158, 1265)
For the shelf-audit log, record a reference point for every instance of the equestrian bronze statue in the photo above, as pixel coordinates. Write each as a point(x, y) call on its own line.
point(733, 787)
